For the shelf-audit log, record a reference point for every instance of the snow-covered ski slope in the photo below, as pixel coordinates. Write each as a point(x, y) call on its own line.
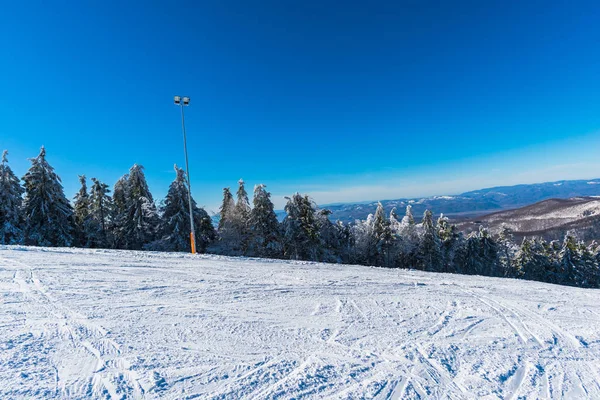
point(117, 324)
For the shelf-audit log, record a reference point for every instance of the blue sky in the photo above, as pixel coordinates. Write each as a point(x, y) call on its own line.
point(360, 101)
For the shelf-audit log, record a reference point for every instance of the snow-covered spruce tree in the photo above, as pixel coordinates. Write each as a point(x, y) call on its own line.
point(429, 254)
point(81, 212)
point(141, 218)
point(451, 243)
point(301, 231)
point(175, 222)
point(587, 274)
point(489, 253)
point(330, 237)
point(481, 254)
point(531, 260)
point(97, 224)
point(11, 201)
point(410, 240)
point(347, 243)
point(241, 216)
point(568, 260)
point(506, 253)
point(227, 208)
point(48, 213)
point(365, 241)
point(229, 240)
point(384, 239)
point(119, 212)
point(552, 251)
point(265, 230)
point(595, 250)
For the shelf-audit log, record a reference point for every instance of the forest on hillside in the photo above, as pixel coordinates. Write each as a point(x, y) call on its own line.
point(35, 211)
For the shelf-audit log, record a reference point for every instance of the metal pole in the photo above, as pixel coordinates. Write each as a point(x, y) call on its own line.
point(187, 171)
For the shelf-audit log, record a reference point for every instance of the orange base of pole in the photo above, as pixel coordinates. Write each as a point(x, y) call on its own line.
point(193, 243)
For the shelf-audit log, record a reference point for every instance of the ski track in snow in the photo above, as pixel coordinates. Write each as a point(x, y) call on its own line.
point(135, 325)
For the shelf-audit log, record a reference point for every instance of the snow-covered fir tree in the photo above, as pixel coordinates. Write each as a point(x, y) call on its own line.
point(48, 213)
point(429, 254)
point(568, 259)
point(99, 218)
point(81, 206)
point(265, 230)
point(451, 241)
point(506, 253)
point(531, 260)
point(11, 201)
point(347, 243)
point(119, 212)
point(241, 216)
point(587, 273)
point(301, 230)
point(330, 237)
point(365, 241)
point(175, 222)
point(481, 254)
point(410, 240)
point(141, 218)
point(229, 239)
point(595, 250)
point(384, 238)
point(227, 208)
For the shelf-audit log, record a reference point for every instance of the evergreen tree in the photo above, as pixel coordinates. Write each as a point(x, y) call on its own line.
point(595, 249)
point(330, 237)
point(567, 261)
point(11, 201)
point(410, 240)
point(229, 239)
point(227, 208)
point(552, 251)
point(301, 231)
point(175, 223)
point(451, 240)
point(587, 274)
point(429, 253)
point(506, 253)
point(383, 238)
point(408, 218)
point(398, 246)
point(532, 260)
point(119, 212)
point(242, 206)
point(347, 243)
point(47, 211)
point(241, 216)
point(481, 255)
point(97, 224)
point(141, 218)
point(265, 231)
point(365, 241)
point(81, 212)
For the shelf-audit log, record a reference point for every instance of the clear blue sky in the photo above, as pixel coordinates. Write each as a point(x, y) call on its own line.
point(346, 101)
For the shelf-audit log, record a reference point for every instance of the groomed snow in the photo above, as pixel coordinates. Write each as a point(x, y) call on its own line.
point(96, 323)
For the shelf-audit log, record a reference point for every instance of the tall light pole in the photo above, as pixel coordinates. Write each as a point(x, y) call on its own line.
point(182, 102)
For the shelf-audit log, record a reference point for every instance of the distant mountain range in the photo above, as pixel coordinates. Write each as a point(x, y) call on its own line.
point(548, 218)
point(474, 203)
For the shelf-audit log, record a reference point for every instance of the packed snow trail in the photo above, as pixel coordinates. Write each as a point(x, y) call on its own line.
point(116, 324)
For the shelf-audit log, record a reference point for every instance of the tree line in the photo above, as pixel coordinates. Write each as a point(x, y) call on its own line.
point(38, 213)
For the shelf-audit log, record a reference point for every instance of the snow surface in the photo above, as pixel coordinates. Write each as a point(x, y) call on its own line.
point(98, 323)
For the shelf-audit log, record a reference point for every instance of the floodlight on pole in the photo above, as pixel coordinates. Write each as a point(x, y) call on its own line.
point(185, 101)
